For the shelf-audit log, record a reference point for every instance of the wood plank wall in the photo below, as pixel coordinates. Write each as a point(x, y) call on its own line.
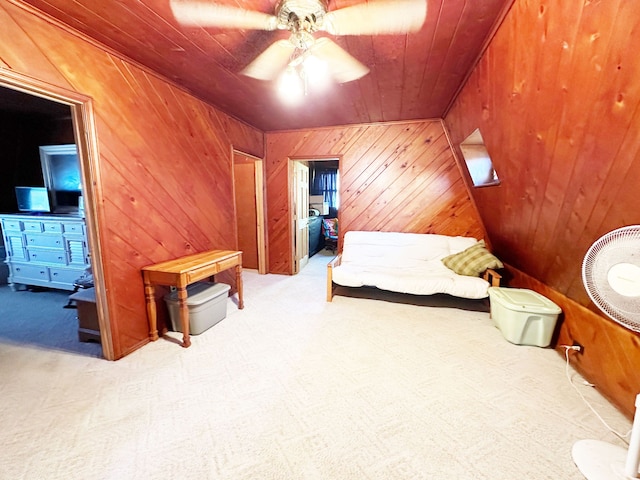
point(165, 160)
point(556, 98)
point(393, 177)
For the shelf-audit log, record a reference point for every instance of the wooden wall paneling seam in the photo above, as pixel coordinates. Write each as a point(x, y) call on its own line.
point(144, 229)
point(313, 144)
point(585, 194)
point(449, 16)
point(363, 168)
point(30, 51)
point(367, 140)
point(392, 49)
point(550, 70)
point(149, 86)
point(349, 138)
point(417, 64)
point(162, 179)
point(497, 25)
point(380, 165)
point(450, 79)
point(523, 137)
point(620, 104)
point(401, 169)
point(362, 49)
point(211, 164)
point(576, 127)
point(409, 206)
point(208, 163)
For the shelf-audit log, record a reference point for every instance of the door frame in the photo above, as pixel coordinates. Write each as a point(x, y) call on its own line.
point(260, 206)
point(290, 160)
point(84, 130)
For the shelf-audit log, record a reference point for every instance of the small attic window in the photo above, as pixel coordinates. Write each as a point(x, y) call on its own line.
point(478, 161)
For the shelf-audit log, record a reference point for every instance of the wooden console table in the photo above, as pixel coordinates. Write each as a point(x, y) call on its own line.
point(182, 272)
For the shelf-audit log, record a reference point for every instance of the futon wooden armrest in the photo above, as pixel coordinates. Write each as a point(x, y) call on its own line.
point(491, 276)
point(333, 263)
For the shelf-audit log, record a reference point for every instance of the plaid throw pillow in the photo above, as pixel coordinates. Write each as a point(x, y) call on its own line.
point(472, 261)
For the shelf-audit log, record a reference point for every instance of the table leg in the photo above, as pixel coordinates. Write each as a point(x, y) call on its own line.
point(150, 299)
point(184, 316)
point(239, 285)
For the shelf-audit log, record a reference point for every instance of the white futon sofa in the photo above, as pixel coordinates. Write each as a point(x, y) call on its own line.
point(413, 263)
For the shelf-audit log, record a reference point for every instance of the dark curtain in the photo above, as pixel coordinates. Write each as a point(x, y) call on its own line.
point(325, 183)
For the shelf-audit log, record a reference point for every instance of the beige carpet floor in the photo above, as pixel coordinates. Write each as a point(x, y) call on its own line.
point(293, 387)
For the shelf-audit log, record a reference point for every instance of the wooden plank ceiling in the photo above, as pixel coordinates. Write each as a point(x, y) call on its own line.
point(413, 76)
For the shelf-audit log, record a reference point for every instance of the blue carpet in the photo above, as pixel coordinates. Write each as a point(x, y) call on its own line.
point(37, 318)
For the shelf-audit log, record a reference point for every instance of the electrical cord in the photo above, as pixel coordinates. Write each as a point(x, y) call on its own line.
point(567, 349)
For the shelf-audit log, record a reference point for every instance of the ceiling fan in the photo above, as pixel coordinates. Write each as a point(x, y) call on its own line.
point(304, 18)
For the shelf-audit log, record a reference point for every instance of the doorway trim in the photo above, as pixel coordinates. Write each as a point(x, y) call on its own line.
point(290, 187)
point(260, 207)
point(84, 130)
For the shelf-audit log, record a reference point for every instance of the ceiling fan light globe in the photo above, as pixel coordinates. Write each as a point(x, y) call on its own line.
point(313, 66)
point(290, 87)
point(316, 72)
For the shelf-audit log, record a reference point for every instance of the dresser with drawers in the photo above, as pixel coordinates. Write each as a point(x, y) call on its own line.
point(44, 250)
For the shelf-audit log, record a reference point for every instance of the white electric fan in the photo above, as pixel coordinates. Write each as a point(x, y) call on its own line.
point(611, 276)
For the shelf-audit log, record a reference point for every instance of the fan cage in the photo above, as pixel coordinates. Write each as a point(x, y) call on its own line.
point(619, 246)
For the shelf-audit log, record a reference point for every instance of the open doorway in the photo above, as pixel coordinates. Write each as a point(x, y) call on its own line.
point(35, 114)
point(315, 192)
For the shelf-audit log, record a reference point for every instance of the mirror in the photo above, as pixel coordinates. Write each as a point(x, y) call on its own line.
point(478, 161)
point(61, 172)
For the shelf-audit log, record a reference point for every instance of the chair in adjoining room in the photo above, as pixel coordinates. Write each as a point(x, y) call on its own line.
point(330, 233)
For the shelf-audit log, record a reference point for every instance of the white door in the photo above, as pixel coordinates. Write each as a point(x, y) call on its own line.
point(300, 215)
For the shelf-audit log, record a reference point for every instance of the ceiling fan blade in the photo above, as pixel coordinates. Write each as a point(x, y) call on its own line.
point(343, 67)
point(270, 63)
point(377, 18)
point(214, 15)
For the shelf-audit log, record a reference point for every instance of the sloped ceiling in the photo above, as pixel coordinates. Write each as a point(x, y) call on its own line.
point(413, 76)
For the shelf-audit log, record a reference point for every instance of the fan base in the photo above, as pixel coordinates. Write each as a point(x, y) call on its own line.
point(598, 460)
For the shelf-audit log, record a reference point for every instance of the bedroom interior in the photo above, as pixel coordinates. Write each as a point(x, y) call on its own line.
point(324, 202)
point(568, 166)
point(33, 130)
